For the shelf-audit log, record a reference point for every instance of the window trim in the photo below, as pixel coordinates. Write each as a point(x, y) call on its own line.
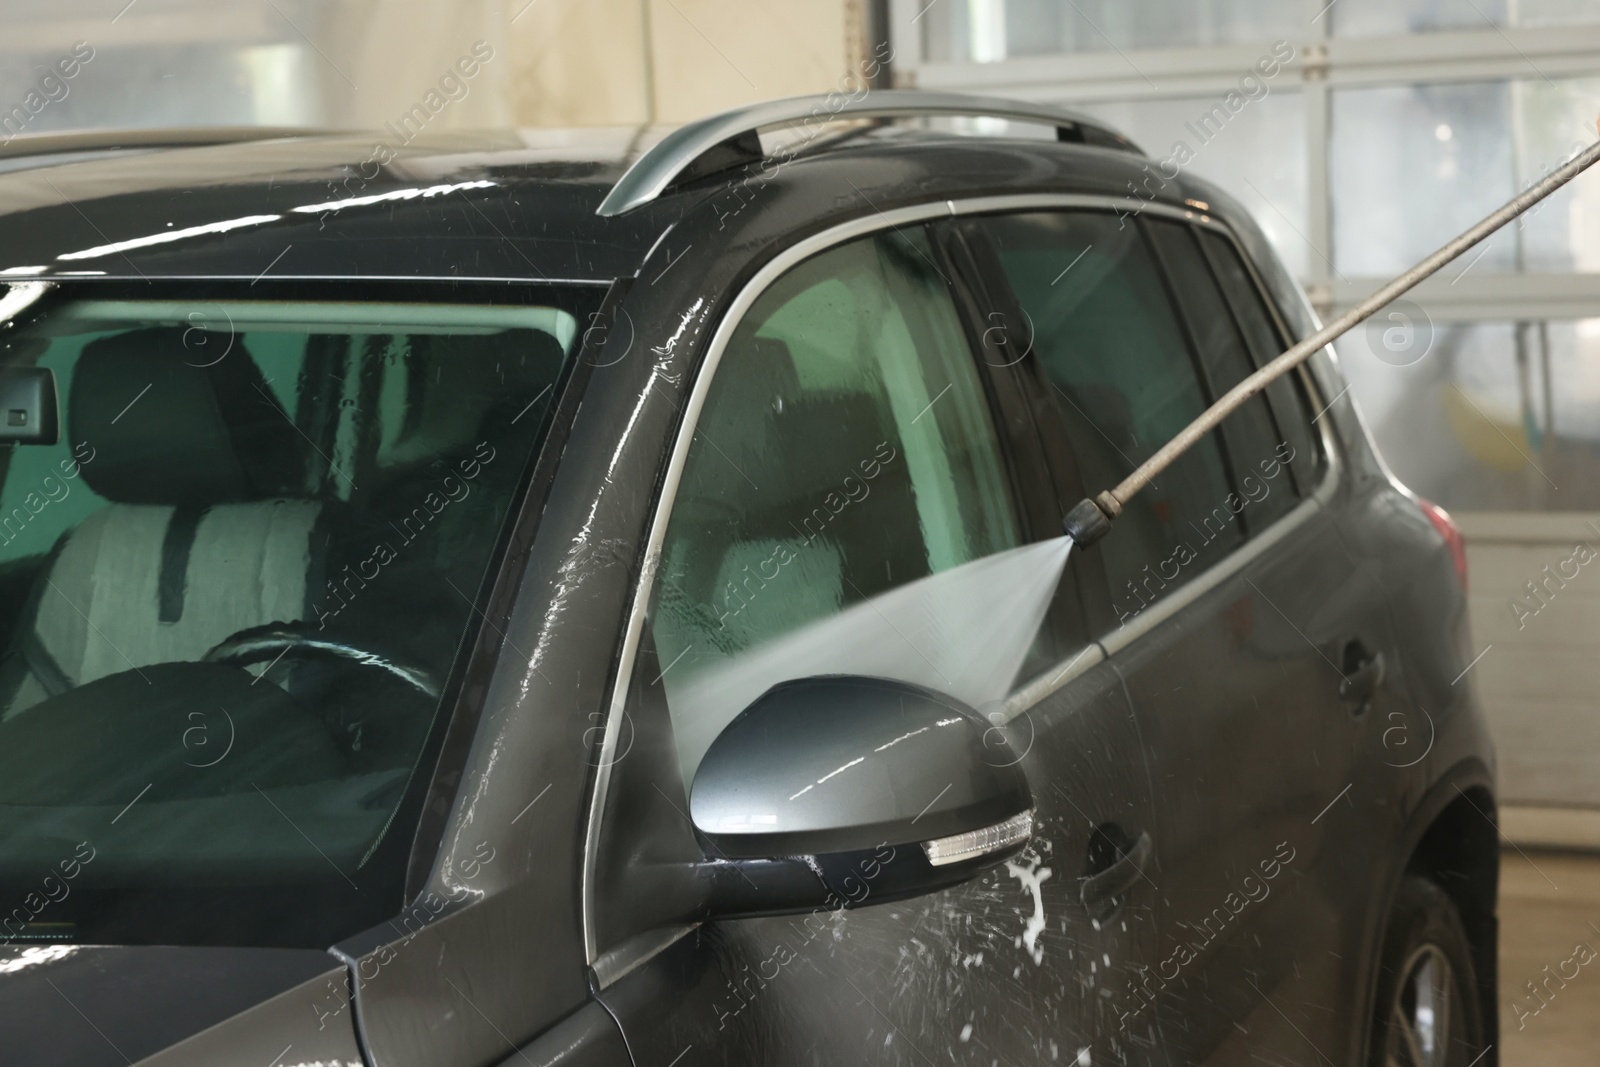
point(979, 285)
point(617, 963)
point(963, 282)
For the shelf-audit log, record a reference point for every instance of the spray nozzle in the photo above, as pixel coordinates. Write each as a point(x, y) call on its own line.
point(1090, 520)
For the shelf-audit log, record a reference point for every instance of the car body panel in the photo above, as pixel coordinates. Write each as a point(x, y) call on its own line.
point(1265, 749)
point(277, 1027)
point(589, 1037)
point(1006, 966)
point(91, 1005)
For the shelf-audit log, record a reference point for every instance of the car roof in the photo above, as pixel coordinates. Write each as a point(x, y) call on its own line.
point(515, 205)
point(159, 207)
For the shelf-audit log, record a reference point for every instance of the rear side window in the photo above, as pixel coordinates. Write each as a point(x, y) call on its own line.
point(1118, 360)
point(1287, 395)
point(1254, 445)
point(844, 482)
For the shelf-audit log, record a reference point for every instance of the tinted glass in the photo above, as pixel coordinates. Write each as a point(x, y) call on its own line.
point(1116, 355)
point(844, 476)
point(234, 592)
point(1253, 444)
point(1287, 395)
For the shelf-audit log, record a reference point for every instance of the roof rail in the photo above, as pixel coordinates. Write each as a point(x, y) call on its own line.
point(728, 137)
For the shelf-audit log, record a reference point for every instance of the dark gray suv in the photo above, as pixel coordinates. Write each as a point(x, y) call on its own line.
point(503, 605)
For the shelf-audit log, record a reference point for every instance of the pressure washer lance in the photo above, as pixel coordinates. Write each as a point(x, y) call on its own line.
point(1090, 519)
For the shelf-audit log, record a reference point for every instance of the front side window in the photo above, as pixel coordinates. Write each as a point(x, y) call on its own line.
point(844, 507)
point(232, 597)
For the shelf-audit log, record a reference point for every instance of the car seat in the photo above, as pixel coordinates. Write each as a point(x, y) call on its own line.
point(206, 533)
point(762, 496)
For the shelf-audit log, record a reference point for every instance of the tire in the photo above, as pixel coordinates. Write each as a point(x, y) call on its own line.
point(1426, 963)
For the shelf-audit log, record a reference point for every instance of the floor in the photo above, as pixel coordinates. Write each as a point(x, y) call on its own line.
point(1549, 918)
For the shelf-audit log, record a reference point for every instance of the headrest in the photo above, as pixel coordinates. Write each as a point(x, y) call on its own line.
point(166, 431)
point(495, 377)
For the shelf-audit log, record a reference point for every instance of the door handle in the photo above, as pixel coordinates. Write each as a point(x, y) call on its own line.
point(1101, 893)
point(1363, 674)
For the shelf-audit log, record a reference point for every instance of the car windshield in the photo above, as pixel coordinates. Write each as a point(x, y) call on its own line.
point(237, 581)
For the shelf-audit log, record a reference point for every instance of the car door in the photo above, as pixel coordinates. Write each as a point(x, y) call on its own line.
point(1384, 732)
point(1230, 605)
point(848, 450)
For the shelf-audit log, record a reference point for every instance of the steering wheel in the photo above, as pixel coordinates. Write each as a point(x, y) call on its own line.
point(278, 639)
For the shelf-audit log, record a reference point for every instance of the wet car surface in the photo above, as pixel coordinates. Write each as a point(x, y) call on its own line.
point(452, 625)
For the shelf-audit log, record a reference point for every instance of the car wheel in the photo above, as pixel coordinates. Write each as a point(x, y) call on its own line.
point(1427, 1012)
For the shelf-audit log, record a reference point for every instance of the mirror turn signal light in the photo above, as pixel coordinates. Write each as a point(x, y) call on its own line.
point(974, 843)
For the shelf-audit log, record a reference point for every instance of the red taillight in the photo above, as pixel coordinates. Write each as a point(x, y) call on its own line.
point(1452, 536)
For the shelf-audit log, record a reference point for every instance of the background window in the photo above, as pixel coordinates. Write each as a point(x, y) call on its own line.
point(984, 31)
point(844, 482)
point(1246, 157)
point(1500, 416)
point(1371, 18)
point(1413, 165)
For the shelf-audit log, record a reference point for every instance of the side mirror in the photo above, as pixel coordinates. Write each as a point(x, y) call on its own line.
point(834, 791)
point(28, 407)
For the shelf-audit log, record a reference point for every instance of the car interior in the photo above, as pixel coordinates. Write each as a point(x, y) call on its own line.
point(845, 452)
point(247, 567)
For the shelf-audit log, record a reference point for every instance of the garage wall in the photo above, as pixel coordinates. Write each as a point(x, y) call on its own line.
point(626, 61)
point(1540, 678)
point(362, 63)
